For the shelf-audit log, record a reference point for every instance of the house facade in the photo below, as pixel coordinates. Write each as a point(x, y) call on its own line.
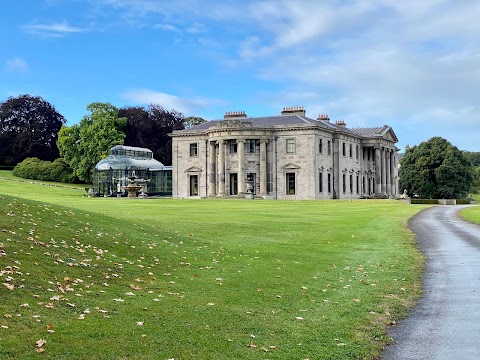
point(289, 156)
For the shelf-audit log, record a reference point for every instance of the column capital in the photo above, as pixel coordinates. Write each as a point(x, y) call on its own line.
point(264, 141)
point(242, 140)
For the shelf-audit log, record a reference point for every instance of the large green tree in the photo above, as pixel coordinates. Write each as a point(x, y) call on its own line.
point(83, 145)
point(436, 169)
point(29, 127)
point(149, 128)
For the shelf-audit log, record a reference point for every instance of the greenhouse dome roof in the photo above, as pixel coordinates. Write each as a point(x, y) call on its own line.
point(132, 158)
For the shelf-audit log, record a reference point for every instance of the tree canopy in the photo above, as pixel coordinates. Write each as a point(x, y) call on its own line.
point(29, 126)
point(149, 128)
point(83, 145)
point(436, 169)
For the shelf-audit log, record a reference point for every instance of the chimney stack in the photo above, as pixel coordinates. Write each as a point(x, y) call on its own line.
point(294, 110)
point(234, 115)
point(341, 123)
point(323, 117)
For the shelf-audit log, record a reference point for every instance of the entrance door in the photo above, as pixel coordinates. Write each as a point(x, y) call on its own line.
point(193, 185)
point(233, 184)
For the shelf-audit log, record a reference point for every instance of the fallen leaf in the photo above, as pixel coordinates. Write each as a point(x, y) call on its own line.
point(252, 345)
point(140, 323)
point(41, 342)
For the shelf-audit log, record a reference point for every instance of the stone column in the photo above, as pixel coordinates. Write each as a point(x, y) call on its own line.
point(378, 172)
point(241, 167)
point(388, 172)
point(263, 167)
point(212, 170)
point(221, 168)
point(393, 170)
point(384, 173)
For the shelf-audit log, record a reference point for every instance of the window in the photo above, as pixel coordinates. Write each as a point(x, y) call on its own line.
point(329, 182)
point(250, 146)
point(351, 150)
point(363, 184)
point(320, 146)
point(344, 152)
point(233, 184)
point(291, 146)
point(193, 185)
point(351, 184)
point(233, 147)
point(356, 151)
point(344, 185)
point(290, 183)
point(358, 184)
point(193, 149)
point(320, 182)
point(368, 153)
point(329, 145)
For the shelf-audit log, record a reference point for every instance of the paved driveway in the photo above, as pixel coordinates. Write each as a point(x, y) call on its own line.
point(445, 324)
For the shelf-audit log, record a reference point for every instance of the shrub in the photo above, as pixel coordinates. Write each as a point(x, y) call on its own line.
point(36, 169)
point(425, 201)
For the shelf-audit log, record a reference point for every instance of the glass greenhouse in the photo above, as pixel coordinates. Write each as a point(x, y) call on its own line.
point(113, 174)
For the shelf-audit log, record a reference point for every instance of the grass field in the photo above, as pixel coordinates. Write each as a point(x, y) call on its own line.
point(206, 279)
point(472, 214)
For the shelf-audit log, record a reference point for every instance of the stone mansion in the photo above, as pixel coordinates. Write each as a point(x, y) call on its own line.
point(288, 156)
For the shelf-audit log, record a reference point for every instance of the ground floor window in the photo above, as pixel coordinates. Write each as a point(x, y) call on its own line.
point(358, 184)
point(344, 183)
point(351, 184)
point(320, 182)
point(329, 182)
point(193, 185)
point(290, 183)
point(233, 184)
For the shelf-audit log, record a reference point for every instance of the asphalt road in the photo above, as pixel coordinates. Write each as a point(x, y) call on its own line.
point(445, 324)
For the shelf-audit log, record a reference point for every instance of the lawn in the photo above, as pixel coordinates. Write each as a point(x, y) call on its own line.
point(472, 213)
point(206, 279)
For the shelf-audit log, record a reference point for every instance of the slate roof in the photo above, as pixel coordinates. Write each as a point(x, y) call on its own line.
point(368, 132)
point(269, 121)
point(292, 120)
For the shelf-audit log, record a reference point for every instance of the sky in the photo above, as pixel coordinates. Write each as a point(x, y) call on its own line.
point(410, 64)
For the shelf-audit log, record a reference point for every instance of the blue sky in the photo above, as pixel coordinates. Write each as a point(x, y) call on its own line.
point(414, 65)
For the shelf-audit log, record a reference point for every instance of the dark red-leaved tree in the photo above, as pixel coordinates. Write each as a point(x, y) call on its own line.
point(29, 127)
point(149, 128)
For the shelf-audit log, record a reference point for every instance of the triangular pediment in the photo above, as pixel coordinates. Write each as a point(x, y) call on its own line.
point(290, 166)
point(388, 133)
point(193, 169)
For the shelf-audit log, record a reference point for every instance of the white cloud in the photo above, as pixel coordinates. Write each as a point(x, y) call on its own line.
point(167, 27)
point(16, 64)
point(188, 106)
point(59, 29)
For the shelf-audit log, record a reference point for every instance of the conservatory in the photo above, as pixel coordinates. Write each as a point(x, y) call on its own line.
point(127, 165)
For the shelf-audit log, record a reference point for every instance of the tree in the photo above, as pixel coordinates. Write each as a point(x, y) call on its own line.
point(83, 145)
point(474, 157)
point(29, 127)
point(476, 181)
point(149, 128)
point(192, 121)
point(436, 169)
